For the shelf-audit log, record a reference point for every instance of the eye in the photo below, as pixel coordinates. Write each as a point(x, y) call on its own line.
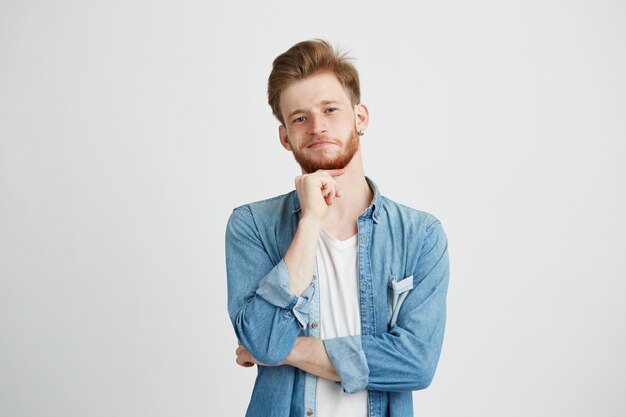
point(331, 109)
point(299, 119)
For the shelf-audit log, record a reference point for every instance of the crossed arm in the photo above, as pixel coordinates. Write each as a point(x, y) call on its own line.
point(317, 192)
point(307, 354)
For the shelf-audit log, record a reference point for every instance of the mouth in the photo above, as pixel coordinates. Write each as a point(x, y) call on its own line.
point(320, 144)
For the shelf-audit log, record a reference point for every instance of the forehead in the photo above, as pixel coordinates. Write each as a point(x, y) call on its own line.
point(310, 91)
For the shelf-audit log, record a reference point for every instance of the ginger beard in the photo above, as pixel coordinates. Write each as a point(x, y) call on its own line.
point(310, 163)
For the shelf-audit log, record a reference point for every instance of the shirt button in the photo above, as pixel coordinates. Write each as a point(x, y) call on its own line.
point(309, 412)
point(313, 326)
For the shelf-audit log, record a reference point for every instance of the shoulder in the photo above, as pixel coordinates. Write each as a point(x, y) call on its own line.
point(269, 205)
point(400, 215)
point(268, 223)
point(264, 213)
point(415, 232)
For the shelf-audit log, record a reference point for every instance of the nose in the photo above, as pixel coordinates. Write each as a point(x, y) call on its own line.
point(317, 125)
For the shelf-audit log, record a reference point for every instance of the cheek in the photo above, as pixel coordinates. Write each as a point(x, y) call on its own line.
point(350, 117)
point(345, 125)
point(294, 137)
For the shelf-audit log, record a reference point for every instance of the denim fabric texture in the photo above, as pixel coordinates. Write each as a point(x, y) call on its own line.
point(403, 279)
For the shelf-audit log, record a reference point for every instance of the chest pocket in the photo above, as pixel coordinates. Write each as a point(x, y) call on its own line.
point(398, 292)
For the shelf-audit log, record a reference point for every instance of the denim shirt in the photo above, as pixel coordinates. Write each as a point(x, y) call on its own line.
point(403, 278)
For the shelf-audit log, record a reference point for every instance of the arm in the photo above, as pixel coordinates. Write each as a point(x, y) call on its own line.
point(266, 316)
point(316, 193)
point(268, 304)
point(405, 357)
point(308, 354)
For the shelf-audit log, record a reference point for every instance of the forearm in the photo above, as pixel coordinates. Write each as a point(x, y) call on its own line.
point(300, 256)
point(309, 354)
point(316, 192)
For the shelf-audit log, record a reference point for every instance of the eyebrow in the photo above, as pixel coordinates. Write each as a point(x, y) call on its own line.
point(322, 103)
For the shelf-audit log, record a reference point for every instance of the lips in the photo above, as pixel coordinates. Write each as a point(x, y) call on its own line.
point(320, 143)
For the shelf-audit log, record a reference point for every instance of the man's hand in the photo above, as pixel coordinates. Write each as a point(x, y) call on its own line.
point(245, 358)
point(317, 191)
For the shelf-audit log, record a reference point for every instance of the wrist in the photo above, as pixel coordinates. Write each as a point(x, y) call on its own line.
point(311, 222)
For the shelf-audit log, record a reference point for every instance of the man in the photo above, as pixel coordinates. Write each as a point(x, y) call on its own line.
point(335, 292)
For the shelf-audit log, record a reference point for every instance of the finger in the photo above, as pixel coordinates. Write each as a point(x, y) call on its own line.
point(325, 179)
point(244, 363)
point(329, 196)
point(328, 188)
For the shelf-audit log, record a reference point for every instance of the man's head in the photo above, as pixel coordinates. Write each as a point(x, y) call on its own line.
point(305, 59)
point(315, 94)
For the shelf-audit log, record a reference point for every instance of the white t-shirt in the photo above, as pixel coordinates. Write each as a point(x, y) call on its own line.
point(339, 316)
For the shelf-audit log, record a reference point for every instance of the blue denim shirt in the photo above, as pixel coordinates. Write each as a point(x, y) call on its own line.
point(403, 279)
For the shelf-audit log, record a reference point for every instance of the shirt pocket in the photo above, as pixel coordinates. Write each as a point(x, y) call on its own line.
point(398, 290)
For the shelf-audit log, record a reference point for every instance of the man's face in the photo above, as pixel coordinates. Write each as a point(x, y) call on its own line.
point(320, 123)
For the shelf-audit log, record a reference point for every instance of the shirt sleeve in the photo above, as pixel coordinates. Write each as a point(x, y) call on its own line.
point(405, 357)
point(266, 316)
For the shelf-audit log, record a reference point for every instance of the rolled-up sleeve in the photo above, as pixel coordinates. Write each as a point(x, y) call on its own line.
point(266, 316)
point(346, 354)
point(275, 289)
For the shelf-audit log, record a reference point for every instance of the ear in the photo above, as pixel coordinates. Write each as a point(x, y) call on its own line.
point(284, 139)
point(361, 114)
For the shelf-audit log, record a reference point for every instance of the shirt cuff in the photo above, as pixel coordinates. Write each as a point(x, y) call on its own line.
point(275, 289)
point(349, 360)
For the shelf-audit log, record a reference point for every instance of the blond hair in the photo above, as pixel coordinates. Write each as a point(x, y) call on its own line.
point(305, 59)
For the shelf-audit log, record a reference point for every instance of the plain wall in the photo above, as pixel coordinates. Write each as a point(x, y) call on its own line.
point(129, 131)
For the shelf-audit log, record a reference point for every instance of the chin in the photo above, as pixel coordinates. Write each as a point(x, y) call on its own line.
point(338, 159)
point(310, 166)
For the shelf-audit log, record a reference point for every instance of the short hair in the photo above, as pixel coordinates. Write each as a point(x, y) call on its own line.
point(305, 59)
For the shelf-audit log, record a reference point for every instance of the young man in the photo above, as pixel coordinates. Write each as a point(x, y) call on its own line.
point(335, 292)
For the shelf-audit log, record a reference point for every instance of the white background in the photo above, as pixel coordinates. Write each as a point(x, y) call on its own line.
point(130, 129)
